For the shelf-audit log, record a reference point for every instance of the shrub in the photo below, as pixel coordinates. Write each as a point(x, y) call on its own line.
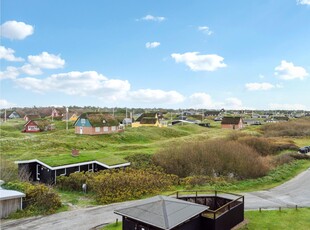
point(39, 199)
point(119, 185)
point(212, 158)
point(283, 159)
point(297, 127)
point(74, 181)
point(8, 170)
point(140, 161)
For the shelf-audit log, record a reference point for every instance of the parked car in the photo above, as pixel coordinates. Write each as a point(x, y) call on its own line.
point(304, 150)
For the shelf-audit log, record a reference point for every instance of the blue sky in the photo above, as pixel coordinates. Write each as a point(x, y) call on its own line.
point(170, 54)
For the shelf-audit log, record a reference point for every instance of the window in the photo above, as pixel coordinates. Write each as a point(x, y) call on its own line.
point(113, 128)
point(105, 129)
point(97, 129)
point(83, 121)
point(32, 128)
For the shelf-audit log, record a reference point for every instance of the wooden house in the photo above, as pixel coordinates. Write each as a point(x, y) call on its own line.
point(34, 126)
point(42, 172)
point(183, 213)
point(94, 123)
point(149, 119)
point(10, 115)
point(71, 117)
point(232, 123)
point(10, 201)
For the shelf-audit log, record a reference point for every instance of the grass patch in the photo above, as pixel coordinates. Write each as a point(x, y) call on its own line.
point(114, 226)
point(274, 219)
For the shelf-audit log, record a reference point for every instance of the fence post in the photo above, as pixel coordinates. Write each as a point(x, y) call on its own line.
point(279, 209)
point(177, 194)
point(260, 209)
point(296, 207)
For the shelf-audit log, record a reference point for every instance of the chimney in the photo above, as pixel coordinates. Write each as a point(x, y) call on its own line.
point(75, 152)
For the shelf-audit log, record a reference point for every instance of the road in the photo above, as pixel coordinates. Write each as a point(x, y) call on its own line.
point(289, 194)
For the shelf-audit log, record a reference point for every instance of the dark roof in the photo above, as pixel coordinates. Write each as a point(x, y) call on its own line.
point(143, 115)
point(281, 118)
point(231, 120)
point(148, 120)
point(162, 212)
point(100, 119)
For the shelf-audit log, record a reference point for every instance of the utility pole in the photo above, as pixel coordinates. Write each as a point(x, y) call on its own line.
point(4, 115)
point(67, 118)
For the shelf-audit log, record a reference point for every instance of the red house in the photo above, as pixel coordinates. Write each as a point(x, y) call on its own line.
point(232, 123)
point(31, 127)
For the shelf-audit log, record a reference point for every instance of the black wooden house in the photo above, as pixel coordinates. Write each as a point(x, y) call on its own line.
point(42, 172)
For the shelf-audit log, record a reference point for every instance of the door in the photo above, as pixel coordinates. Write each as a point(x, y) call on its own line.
point(81, 130)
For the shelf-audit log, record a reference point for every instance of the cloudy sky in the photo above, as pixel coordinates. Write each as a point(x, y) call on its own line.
point(170, 54)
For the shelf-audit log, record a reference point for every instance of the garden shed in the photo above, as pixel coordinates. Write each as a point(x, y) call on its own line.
point(10, 201)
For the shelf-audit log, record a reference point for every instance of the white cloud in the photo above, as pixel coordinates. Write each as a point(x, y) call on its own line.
point(288, 71)
point(153, 18)
point(205, 29)
point(46, 61)
point(259, 86)
point(201, 100)
point(8, 54)
point(30, 70)
point(16, 30)
point(156, 96)
point(5, 104)
point(287, 106)
point(233, 103)
point(150, 45)
point(196, 62)
point(303, 2)
point(11, 72)
point(88, 83)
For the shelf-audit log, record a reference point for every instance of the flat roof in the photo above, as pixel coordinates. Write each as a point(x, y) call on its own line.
point(10, 194)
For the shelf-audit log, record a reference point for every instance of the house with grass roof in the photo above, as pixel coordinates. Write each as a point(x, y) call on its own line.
point(47, 169)
point(94, 123)
point(149, 119)
point(34, 126)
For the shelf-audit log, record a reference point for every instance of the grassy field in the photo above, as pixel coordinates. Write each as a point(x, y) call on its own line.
point(54, 147)
point(272, 220)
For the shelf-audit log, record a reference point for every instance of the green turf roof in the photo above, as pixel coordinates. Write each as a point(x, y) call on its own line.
point(67, 158)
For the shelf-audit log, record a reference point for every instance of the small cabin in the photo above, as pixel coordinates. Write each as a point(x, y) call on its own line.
point(42, 172)
point(188, 212)
point(96, 124)
point(232, 123)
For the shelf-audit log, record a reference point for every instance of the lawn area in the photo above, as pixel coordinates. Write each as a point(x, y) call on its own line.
point(54, 147)
point(274, 219)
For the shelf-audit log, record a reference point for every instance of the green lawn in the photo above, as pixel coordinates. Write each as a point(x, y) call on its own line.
point(274, 220)
point(54, 147)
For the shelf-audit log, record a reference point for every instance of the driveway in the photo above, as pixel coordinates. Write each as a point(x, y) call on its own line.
point(289, 194)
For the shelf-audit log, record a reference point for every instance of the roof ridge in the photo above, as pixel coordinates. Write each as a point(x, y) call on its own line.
point(165, 216)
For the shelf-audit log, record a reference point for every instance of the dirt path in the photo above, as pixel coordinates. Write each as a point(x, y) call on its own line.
point(289, 194)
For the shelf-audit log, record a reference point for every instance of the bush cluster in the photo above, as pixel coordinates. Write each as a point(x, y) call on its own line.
point(298, 127)
point(213, 158)
point(39, 199)
point(119, 185)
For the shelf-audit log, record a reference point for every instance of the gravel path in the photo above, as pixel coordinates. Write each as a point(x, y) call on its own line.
point(289, 194)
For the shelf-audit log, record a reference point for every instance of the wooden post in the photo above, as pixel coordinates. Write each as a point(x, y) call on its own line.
point(260, 209)
point(279, 209)
point(177, 194)
point(296, 206)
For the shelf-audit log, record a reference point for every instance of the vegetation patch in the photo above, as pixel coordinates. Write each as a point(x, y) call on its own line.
point(110, 186)
point(39, 199)
point(275, 219)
